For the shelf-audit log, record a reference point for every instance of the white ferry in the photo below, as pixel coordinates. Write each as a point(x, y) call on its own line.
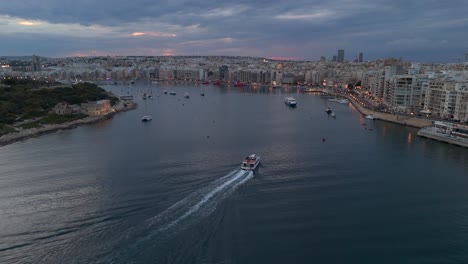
point(448, 132)
point(250, 162)
point(290, 101)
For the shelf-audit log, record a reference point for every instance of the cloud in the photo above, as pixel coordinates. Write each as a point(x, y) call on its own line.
point(304, 29)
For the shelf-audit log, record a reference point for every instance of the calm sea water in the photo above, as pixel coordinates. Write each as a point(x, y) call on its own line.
point(170, 190)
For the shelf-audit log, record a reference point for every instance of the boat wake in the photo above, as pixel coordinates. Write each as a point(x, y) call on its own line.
point(186, 212)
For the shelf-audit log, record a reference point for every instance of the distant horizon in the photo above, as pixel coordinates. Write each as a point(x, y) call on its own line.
point(240, 56)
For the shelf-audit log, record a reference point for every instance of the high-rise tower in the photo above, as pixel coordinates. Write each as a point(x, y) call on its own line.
point(340, 57)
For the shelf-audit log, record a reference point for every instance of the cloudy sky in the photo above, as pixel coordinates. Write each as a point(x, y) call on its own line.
point(416, 30)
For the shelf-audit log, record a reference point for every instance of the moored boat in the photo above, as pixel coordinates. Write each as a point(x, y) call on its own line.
point(146, 118)
point(290, 101)
point(328, 110)
point(250, 162)
point(456, 134)
point(186, 95)
point(172, 93)
point(371, 117)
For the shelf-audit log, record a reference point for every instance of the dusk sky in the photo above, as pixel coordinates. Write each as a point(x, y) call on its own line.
point(421, 30)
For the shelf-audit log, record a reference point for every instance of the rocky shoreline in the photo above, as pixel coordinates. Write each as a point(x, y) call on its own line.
point(46, 129)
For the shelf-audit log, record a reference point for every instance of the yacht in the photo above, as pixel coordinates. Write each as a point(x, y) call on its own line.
point(371, 117)
point(448, 132)
point(146, 118)
point(290, 101)
point(250, 162)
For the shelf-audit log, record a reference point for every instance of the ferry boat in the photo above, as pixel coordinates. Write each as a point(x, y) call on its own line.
point(250, 162)
point(447, 132)
point(290, 101)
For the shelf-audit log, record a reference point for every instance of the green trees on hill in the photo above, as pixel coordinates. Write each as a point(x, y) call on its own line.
point(25, 99)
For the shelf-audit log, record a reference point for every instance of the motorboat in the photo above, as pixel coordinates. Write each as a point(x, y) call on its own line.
point(165, 92)
point(333, 114)
point(328, 110)
point(186, 95)
point(371, 117)
point(290, 101)
point(343, 101)
point(172, 93)
point(202, 94)
point(146, 118)
point(250, 162)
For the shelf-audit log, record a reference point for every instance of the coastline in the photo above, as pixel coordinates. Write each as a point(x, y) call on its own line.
point(402, 120)
point(47, 129)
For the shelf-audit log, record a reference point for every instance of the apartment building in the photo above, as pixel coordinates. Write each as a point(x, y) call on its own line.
point(405, 92)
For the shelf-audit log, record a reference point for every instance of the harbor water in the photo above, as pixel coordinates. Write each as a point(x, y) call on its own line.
point(328, 190)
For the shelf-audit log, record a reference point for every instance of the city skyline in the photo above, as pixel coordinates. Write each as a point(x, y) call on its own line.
point(304, 30)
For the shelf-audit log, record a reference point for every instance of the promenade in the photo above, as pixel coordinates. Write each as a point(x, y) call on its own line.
point(398, 119)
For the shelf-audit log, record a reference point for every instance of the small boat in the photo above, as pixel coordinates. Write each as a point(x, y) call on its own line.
point(165, 92)
point(202, 94)
point(186, 95)
point(328, 110)
point(250, 162)
point(343, 101)
point(371, 117)
point(206, 82)
point(333, 114)
point(172, 93)
point(146, 118)
point(290, 101)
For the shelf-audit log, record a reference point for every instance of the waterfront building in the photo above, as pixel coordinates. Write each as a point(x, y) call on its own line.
point(405, 92)
point(62, 109)
point(340, 57)
point(447, 99)
point(390, 71)
point(97, 108)
point(461, 102)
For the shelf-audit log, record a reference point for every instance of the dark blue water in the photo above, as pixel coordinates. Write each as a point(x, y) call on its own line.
point(170, 190)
